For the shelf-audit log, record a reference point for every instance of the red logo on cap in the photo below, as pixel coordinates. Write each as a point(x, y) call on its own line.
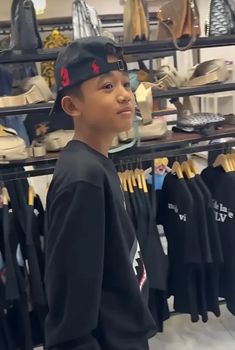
point(95, 68)
point(65, 80)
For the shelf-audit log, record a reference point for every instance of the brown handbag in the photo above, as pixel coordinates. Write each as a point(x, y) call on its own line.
point(179, 19)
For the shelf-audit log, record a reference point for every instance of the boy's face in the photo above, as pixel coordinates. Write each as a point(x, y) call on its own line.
point(107, 103)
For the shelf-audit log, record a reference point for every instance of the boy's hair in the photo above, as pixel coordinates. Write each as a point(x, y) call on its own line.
point(73, 91)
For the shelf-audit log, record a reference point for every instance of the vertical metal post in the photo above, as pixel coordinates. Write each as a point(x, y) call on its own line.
point(151, 70)
point(153, 194)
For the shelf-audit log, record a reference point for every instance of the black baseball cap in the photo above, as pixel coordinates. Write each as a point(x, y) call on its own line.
point(82, 60)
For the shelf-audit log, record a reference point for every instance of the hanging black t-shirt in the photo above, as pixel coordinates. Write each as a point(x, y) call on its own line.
point(222, 187)
point(94, 271)
point(213, 270)
point(177, 216)
point(155, 260)
point(213, 230)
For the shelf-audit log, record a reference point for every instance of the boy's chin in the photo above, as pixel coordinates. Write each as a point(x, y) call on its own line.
point(125, 128)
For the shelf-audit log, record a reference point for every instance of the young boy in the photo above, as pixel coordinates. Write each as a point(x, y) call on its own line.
point(95, 277)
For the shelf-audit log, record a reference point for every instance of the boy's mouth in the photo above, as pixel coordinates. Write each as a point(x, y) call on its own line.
point(127, 111)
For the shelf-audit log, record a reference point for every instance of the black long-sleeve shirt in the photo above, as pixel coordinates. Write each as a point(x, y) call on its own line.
point(95, 277)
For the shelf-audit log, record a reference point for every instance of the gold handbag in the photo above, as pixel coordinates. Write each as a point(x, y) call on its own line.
point(136, 25)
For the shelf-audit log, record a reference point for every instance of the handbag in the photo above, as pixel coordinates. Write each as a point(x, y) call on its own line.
point(85, 19)
point(36, 91)
point(208, 72)
point(221, 18)
point(179, 19)
point(136, 26)
point(12, 147)
point(24, 30)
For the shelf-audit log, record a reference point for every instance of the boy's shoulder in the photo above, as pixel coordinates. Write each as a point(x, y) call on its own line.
point(79, 163)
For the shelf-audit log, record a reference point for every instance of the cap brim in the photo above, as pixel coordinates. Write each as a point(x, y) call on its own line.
point(58, 118)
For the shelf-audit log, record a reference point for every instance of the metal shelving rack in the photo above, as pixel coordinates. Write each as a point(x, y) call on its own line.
point(145, 47)
point(173, 145)
point(45, 107)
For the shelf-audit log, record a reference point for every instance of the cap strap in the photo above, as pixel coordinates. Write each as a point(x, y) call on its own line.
point(118, 65)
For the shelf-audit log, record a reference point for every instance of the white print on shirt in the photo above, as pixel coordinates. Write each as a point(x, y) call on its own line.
point(139, 268)
point(182, 217)
point(124, 202)
point(222, 213)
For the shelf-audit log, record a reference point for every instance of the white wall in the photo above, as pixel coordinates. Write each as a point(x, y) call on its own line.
point(62, 8)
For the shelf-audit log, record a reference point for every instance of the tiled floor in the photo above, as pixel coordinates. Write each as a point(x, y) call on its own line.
point(181, 334)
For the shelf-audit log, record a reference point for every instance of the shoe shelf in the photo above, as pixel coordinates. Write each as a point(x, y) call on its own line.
point(27, 109)
point(41, 55)
point(177, 143)
point(190, 91)
point(45, 107)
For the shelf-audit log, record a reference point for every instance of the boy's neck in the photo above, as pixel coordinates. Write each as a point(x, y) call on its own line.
point(99, 142)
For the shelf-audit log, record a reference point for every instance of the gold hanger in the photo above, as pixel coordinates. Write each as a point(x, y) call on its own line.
point(231, 161)
point(186, 169)
point(133, 179)
point(129, 181)
point(138, 178)
point(233, 155)
point(176, 168)
point(193, 166)
point(124, 182)
point(144, 183)
point(31, 195)
point(222, 161)
point(5, 196)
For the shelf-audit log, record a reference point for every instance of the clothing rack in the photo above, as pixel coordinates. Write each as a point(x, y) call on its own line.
point(135, 156)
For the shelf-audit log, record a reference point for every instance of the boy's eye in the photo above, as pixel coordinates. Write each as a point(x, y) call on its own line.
point(127, 85)
point(108, 86)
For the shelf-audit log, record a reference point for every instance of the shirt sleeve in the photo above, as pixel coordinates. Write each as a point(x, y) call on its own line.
point(74, 266)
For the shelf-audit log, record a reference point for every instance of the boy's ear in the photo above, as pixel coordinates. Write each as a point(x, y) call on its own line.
point(70, 107)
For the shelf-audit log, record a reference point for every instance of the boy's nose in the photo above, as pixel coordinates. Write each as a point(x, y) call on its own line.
point(124, 96)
